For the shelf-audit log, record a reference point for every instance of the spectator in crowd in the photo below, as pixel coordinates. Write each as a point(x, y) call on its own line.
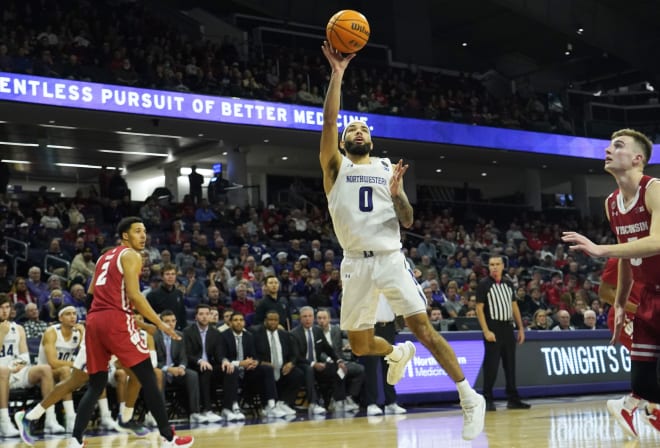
point(453, 303)
point(195, 181)
point(82, 267)
point(79, 301)
point(203, 346)
point(563, 321)
point(173, 361)
point(34, 283)
point(273, 301)
point(275, 348)
point(240, 350)
point(242, 302)
point(6, 279)
point(169, 297)
point(353, 371)
point(34, 327)
point(540, 320)
point(50, 309)
point(589, 322)
point(185, 259)
point(314, 355)
point(19, 292)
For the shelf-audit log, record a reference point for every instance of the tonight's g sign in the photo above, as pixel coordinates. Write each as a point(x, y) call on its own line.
point(585, 360)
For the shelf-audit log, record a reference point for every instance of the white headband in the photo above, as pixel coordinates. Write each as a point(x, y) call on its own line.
point(343, 133)
point(65, 309)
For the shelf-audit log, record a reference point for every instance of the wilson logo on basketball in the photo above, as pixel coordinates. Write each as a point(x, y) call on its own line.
point(359, 27)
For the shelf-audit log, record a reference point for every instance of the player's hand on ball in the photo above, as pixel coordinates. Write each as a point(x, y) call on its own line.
point(338, 62)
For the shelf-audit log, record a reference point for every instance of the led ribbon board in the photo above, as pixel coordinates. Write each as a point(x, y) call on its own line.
point(130, 100)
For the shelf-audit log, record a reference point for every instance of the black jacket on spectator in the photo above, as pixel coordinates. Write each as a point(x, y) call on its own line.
point(163, 299)
point(322, 349)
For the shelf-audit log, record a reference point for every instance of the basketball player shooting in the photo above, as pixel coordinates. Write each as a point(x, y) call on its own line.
point(367, 201)
point(111, 330)
point(634, 214)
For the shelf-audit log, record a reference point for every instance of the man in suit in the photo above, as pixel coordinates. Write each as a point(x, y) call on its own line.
point(275, 349)
point(319, 362)
point(240, 351)
point(203, 346)
point(172, 360)
point(353, 371)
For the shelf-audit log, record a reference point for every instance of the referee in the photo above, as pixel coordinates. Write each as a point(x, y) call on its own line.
point(496, 310)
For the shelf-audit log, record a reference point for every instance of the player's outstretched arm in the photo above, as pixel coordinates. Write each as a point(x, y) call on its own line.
point(329, 155)
point(641, 248)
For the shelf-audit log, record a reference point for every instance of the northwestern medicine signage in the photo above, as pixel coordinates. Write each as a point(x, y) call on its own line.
point(543, 361)
point(130, 100)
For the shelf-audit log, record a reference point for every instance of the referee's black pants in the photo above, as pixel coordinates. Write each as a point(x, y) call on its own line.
point(503, 348)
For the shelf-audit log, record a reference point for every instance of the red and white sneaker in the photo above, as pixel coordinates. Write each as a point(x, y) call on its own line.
point(623, 416)
point(652, 419)
point(178, 441)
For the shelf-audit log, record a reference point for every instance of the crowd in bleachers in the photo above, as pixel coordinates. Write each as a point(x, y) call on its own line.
point(126, 44)
point(252, 261)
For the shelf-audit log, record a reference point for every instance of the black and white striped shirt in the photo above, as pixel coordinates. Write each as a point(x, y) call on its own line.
point(497, 299)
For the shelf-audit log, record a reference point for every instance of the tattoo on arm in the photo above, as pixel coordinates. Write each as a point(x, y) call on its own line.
point(403, 209)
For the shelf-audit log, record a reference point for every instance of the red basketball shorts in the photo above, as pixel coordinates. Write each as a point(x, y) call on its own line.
point(646, 338)
point(113, 333)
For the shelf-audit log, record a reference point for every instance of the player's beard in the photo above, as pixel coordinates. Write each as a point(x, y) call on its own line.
point(357, 149)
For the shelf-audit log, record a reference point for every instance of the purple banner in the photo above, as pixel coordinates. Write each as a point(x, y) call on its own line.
point(424, 375)
point(129, 100)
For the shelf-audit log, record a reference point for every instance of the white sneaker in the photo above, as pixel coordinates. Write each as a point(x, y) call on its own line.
point(7, 429)
point(149, 420)
point(316, 409)
point(351, 405)
point(373, 410)
point(69, 422)
point(285, 408)
point(474, 413)
point(197, 417)
point(394, 408)
point(274, 412)
point(212, 417)
point(108, 424)
point(238, 413)
point(396, 369)
point(623, 416)
point(53, 427)
point(73, 443)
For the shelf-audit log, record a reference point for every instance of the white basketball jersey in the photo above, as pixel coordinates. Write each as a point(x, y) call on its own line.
point(66, 350)
point(361, 207)
point(10, 346)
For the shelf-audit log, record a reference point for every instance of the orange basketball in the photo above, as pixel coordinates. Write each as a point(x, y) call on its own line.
point(348, 31)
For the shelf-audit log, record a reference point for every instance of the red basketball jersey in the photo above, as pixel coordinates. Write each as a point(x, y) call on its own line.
point(633, 223)
point(109, 287)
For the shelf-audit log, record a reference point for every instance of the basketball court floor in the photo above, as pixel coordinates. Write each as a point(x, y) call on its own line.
point(566, 422)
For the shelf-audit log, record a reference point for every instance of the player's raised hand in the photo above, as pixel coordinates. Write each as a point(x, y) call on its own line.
point(396, 181)
point(338, 62)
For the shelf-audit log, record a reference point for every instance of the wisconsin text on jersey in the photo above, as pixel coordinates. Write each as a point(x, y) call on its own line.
point(632, 228)
point(366, 180)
